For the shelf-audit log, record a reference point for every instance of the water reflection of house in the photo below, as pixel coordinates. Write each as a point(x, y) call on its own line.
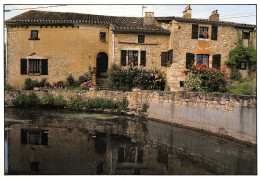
point(104, 147)
point(47, 150)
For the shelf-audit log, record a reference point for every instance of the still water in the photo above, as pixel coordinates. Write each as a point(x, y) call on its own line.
point(48, 142)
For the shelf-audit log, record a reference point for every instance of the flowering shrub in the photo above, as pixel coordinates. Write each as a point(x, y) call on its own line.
point(86, 85)
point(59, 84)
point(125, 78)
point(210, 77)
point(193, 82)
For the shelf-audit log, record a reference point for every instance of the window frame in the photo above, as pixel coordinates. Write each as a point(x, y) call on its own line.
point(132, 54)
point(33, 37)
point(200, 32)
point(32, 66)
point(202, 59)
point(102, 36)
point(240, 65)
point(141, 39)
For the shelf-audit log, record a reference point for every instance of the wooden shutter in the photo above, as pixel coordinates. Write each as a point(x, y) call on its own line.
point(164, 59)
point(140, 156)
point(44, 138)
point(195, 30)
point(170, 56)
point(121, 155)
point(123, 57)
point(23, 136)
point(214, 33)
point(23, 66)
point(143, 58)
point(44, 68)
point(216, 61)
point(189, 58)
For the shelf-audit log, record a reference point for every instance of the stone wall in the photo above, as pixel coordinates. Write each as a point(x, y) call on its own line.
point(226, 114)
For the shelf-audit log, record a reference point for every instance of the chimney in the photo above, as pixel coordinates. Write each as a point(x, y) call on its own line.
point(187, 12)
point(214, 16)
point(149, 19)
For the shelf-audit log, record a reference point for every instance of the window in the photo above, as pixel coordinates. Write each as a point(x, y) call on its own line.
point(167, 58)
point(242, 65)
point(34, 137)
point(36, 67)
point(246, 35)
point(102, 36)
point(203, 33)
point(133, 57)
point(34, 35)
point(203, 59)
point(129, 154)
point(141, 38)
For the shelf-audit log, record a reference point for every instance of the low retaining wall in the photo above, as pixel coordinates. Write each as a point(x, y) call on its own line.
point(225, 114)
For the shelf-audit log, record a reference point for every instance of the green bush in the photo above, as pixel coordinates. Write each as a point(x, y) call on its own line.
point(30, 84)
point(20, 100)
point(8, 87)
point(192, 82)
point(30, 100)
point(48, 100)
point(248, 87)
point(59, 102)
point(76, 104)
point(70, 80)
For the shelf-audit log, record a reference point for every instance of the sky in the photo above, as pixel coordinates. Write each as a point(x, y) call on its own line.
point(235, 13)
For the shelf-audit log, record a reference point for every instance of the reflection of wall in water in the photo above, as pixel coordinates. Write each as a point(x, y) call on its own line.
point(67, 152)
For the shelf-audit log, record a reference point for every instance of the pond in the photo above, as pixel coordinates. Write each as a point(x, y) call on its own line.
point(51, 142)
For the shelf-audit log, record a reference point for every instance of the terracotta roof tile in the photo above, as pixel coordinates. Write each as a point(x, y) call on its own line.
point(120, 23)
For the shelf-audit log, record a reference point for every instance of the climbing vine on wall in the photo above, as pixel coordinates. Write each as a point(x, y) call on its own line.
point(238, 54)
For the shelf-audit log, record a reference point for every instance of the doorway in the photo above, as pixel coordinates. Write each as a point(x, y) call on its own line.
point(102, 63)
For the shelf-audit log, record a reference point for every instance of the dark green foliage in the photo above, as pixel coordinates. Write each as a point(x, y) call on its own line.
point(248, 87)
point(30, 100)
point(59, 102)
point(70, 80)
point(241, 53)
point(20, 100)
point(30, 84)
point(9, 87)
point(47, 100)
point(76, 104)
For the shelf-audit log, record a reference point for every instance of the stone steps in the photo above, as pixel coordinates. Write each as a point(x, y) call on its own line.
point(102, 83)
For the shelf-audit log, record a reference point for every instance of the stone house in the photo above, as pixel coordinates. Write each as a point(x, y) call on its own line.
point(53, 45)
